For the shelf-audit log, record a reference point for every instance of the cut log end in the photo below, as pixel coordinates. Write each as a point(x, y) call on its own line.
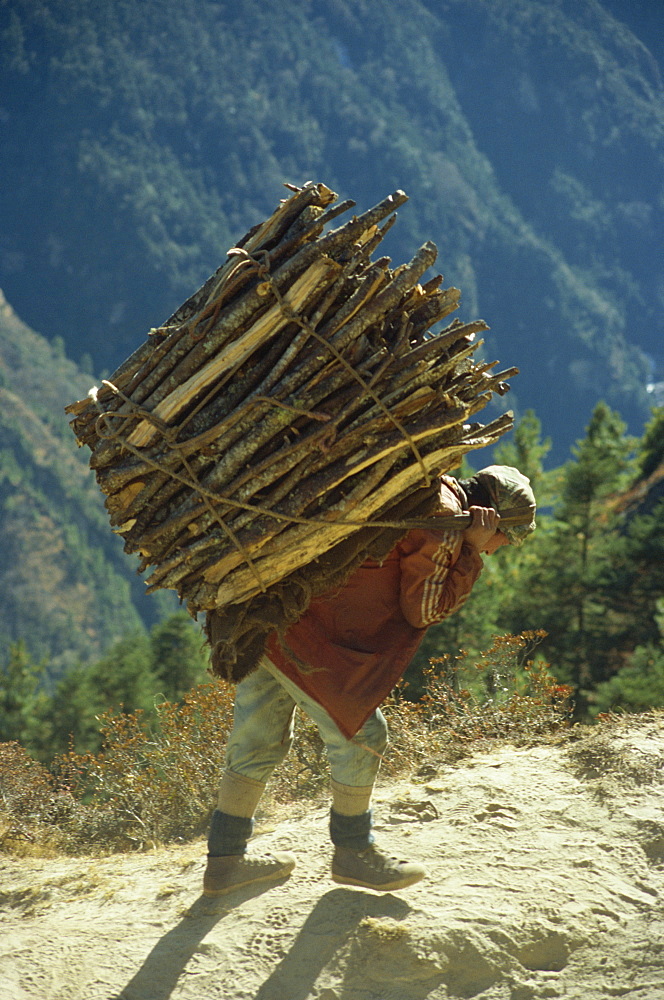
point(303, 391)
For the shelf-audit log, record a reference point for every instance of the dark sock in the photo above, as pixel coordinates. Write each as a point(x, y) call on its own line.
point(228, 834)
point(351, 831)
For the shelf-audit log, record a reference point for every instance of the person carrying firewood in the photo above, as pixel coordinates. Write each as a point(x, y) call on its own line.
point(337, 664)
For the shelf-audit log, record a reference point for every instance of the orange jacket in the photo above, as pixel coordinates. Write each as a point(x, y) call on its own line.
point(360, 639)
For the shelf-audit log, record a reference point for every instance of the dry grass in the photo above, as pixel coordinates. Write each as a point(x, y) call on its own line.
point(156, 783)
point(502, 695)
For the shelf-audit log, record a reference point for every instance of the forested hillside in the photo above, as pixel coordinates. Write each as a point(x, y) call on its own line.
point(141, 139)
point(591, 578)
point(66, 588)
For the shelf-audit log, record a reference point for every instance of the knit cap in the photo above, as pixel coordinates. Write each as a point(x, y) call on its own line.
point(509, 490)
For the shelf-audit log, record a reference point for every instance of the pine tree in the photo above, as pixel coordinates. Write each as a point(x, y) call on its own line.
point(651, 451)
point(526, 452)
point(121, 681)
point(178, 658)
point(21, 696)
point(637, 686)
point(72, 713)
point(124, 679)
point(563, 588)
point(138, 672)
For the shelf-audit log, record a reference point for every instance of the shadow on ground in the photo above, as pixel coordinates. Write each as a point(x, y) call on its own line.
point(327, 929)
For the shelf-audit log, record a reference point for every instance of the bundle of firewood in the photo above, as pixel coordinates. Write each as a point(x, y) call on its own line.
point(296, 399)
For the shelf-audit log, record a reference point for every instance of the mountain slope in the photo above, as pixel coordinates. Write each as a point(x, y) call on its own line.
point(142, 139)
point(66, 587)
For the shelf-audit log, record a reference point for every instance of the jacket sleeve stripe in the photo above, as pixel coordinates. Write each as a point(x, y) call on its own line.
point(432, 589)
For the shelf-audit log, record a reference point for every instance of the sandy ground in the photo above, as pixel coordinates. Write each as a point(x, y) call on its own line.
point(546, 880)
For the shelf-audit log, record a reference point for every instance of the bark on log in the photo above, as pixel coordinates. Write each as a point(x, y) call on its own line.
point(295, 405)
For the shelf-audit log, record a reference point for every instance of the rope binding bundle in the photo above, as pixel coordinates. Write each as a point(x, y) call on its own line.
point(303, 401)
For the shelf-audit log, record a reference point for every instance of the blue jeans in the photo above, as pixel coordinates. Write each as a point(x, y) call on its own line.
point(262, 733)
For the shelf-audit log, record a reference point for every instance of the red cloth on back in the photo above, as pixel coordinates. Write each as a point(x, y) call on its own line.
point(360, 639)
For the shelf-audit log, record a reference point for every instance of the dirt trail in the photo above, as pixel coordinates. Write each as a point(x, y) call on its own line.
point(546, 880)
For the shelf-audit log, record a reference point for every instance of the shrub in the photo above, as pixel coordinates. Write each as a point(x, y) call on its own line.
point(34, 803)
point(155, 779)
point(505, 694)
point(151, 783)
point(636, 687)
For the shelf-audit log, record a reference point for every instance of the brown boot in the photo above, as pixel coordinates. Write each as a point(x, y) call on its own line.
point(372, 869)
point(234, 871)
